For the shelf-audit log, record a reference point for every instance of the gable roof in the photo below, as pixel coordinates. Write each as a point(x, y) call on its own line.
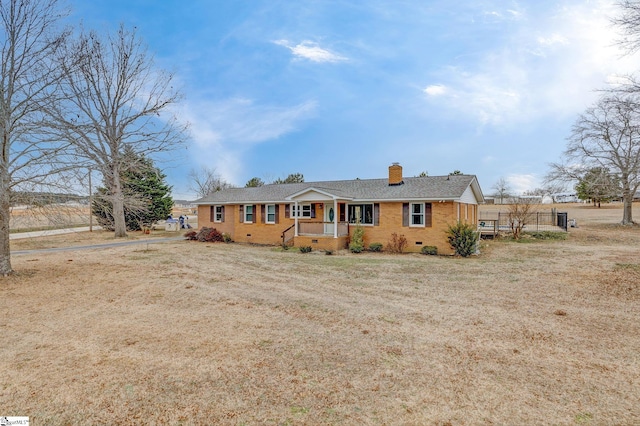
point(429, 188)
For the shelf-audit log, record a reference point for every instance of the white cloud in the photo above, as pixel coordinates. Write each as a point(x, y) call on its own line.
point(435, 90)
point(547, 65)
point(311, 51)
point(223, 131)
point(522, 182)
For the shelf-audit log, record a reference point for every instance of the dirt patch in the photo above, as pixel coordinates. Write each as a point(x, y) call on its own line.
point(200, 333)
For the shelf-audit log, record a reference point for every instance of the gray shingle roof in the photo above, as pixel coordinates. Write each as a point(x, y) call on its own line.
point(414, 188)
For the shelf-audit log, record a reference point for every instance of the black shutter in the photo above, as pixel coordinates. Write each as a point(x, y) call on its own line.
point(222, 218)
point(287, 211)
point(427, 214)
point(405, 214)
point(376, 214)
point(255, 213)
point(262, 213)
point(241, 209)
point(341, 209)
point(313, 211)
point(277, 213)
point(212, 214)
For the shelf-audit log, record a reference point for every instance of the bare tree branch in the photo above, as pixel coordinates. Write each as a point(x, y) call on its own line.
point(29, 37)
point(115, 99)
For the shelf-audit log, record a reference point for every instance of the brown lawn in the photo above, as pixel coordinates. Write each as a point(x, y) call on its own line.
point(542, 332)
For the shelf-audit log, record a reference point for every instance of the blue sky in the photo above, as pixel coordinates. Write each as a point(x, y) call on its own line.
point(341, 89)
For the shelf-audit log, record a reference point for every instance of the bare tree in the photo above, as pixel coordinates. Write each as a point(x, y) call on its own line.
point(116, 99)
point(520, 213)
point(29, 36)
point(502, 189)
point(206, 181)
point(628, 22)
point(606, 136)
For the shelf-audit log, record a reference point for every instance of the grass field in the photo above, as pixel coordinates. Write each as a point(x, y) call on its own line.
point(536, 332)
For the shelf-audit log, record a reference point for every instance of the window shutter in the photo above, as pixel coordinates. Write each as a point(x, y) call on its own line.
point(405, 214)
point(313, 211)
point(212, 214)
point(241, 208)
point(222, 219)
point(262, 213)
point(427, 214)
point(277, 213)
point(255, 213)
point(341, 209)
point(376, 214)
point(287, 211)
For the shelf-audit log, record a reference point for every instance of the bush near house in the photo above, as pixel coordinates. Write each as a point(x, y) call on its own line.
point(376, 247)
point(205, 234)
point(397, 243)
point(463, 239)
point(357, 240)
point(430, 250)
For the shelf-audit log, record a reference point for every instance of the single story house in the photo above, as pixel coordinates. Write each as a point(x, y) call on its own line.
point(323, 215)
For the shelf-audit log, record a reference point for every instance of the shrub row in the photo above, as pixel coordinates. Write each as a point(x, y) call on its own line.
point(208, 235)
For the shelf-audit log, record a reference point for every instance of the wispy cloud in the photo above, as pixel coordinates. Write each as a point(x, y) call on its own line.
point(549, 65)
point(223, 131)
point(311, 51)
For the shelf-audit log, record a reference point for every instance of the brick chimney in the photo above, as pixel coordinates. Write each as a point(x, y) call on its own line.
point(395, 174)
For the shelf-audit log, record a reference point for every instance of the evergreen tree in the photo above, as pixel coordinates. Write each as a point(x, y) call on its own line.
point(292, 178)
point(147, 196)
point(254, 182)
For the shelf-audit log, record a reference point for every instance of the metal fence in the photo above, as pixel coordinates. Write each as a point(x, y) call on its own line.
point(494, 222)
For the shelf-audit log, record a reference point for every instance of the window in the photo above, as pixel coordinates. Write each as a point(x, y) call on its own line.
point(361, 213)
point(417, 214)
point(218, 214)
point(304, 210)
point(271, 213)
point(248, 213)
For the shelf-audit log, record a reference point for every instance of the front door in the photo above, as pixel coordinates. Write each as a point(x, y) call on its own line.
point(329, 217)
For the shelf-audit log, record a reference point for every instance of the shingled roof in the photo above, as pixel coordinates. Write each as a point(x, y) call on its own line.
point(430, 188)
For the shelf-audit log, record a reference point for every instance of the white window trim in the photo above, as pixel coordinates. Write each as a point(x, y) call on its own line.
point(305, 209)
point(412, 214)
point(266, 210)
point(246, 208)
point(362, 204)
point(215, 213)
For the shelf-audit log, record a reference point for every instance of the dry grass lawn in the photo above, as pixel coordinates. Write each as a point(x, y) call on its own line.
point(542, 332)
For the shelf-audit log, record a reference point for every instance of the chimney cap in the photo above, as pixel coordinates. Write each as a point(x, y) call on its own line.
point(395, 163)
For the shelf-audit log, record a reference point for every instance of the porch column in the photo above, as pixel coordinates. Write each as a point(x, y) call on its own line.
point(295, 219)
point(336, 215)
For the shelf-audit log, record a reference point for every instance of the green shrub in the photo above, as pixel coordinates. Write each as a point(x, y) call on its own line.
point(328, 252)
point(430, 250)
point(305, 249)
point(547, 235)
point(227, 238)
point(397, 243)
point(463, 238)
point(357, 240)
point(377, 247)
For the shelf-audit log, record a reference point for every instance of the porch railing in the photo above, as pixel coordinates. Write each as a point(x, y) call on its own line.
point(322, 228)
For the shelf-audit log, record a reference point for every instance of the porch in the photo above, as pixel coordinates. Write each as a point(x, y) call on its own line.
point(319, 235)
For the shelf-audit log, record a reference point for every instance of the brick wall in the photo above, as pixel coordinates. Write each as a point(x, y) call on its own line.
point(391, 218)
